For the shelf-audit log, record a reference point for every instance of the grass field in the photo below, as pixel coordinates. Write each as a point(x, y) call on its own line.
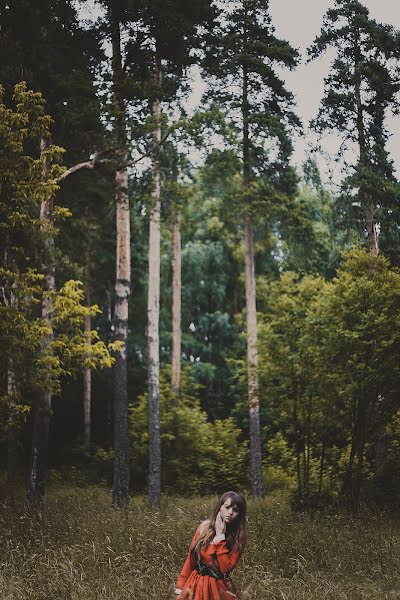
point(78, 548)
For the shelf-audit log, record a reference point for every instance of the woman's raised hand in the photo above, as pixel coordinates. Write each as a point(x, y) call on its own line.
point(220, 525)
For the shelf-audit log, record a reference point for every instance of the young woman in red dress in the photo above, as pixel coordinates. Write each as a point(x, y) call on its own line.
point(214, 552)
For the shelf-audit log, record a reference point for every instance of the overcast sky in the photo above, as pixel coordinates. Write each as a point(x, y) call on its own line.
point(299, 22)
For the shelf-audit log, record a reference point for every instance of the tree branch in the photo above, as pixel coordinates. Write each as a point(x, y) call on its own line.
point(97, 158)
point(151, 150)
point(88, 164)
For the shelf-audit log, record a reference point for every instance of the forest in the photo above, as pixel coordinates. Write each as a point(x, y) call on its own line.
point(184, 310)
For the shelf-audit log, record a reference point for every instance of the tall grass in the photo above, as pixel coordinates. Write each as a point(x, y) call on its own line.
point(79, 548)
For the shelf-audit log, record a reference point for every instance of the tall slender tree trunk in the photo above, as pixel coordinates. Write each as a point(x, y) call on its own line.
point(257, 482)
point(360, 447)
point(87, 372)
point(153, 311)
point(120, 492)
point(372, 231)
point(12, 440)
point(321, 469)
point(373, 243)
point(176, 304)
point(42, 407)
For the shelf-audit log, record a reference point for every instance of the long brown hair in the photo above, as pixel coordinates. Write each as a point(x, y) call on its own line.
point(236, 531)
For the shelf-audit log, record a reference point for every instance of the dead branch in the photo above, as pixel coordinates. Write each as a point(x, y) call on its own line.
point(100, 157)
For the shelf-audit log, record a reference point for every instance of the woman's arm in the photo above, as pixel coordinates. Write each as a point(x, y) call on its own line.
point(227, 560)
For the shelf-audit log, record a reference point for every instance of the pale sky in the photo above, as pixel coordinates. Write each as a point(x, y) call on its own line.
point(300, 22)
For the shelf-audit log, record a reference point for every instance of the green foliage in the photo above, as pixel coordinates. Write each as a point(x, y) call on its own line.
point(24, 186)
point(242, 58)
point(329, 373)
point(199, 457)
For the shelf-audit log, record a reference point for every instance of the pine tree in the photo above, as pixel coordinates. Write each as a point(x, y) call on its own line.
point(168, 34)
point(362, 86)
point(243, 54)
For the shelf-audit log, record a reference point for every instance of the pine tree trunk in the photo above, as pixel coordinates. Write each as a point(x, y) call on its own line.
point(120, 492)
point(176, 304)
point(371, 227)
point(257, 483)
point(87, 372)
point(372, 232)
point(12, 440)
point(153, 311)
point(42, 408)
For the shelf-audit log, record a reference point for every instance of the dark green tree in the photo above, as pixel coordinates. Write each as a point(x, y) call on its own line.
point(158, 53)
point(242, 59)
point(362, 86)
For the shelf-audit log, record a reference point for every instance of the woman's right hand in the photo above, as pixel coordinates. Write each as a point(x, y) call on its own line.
point(220, 525)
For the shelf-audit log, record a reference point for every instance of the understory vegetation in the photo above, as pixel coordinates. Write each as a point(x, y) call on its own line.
point(78, 547)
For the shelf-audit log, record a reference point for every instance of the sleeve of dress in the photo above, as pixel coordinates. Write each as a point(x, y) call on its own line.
point(188, 565)
point(227, 560)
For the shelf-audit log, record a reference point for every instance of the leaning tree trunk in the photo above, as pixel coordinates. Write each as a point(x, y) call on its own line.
point(153, 311)
point(87, 372)
point(257, 483)
point(176, 304)
point(120, 492)
point(42, 408)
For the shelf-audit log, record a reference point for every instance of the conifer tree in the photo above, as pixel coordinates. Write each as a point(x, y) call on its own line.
point(242, 58)
point(362, 85)
point(168, 34)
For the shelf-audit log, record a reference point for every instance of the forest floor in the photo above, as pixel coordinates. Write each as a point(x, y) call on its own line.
point(78, 548)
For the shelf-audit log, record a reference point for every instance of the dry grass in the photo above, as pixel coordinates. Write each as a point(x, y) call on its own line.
point(79, 548)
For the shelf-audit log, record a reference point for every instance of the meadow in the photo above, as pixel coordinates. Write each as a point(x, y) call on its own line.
point(78, 548)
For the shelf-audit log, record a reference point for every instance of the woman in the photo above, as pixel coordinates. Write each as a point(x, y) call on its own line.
point(214, 552)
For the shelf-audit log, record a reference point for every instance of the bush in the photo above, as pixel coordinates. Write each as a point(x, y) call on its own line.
point(199, 457)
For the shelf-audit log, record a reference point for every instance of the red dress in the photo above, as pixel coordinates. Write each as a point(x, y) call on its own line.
point(203, 587)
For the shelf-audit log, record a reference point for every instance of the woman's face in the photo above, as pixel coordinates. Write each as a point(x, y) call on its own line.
point(229, 511)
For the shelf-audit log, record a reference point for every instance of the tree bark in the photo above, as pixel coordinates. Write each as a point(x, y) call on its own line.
point(321, 469)
point(87, 372)
point(359, 445)
point(120, 492)
point(12, 440)
point(176, 304)
point(372, 232)
point(42, 407)
point(257, 482)
point(153, 311)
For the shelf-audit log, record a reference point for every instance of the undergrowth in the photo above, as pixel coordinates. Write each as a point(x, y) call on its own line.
point(78, 548)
